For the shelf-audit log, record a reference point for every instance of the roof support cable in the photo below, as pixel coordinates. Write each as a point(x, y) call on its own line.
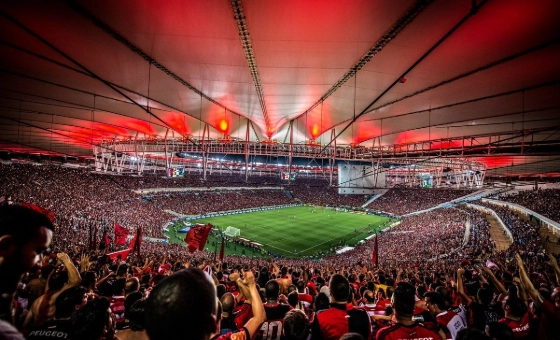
point(240, 20)
point(424, 56)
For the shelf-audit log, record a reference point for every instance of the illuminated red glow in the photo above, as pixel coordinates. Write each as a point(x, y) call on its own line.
point(314, 131)
point(223, 126)
point(177, 122)
point(140, 126)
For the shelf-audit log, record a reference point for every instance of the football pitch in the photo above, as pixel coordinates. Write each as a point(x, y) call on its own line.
point(293, 232)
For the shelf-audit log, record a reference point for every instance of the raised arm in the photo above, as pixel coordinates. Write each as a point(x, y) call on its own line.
point(74, 277)
point(526, 282)
point(554, 264)
point(497, 283)
point(460, 288)
point(257, 307)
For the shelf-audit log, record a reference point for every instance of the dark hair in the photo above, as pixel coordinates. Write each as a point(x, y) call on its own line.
point(182, 306)
point(89, 278)
point(484, 295)
point(137, 315)
point(292, 288)
point(301, 286)
point(339, 288)
point(130, 300)
point(420, 290)
point(321, 302)
point(122, 270)
point(435, 299)
point(296, 325)
point(220, 290)
point(517, 307)
point(403, 300)
point(352, 336)
point(264, 276)
point(446, 296)
point(272, 289)
point(67, 301)
point(57, 280)
point(22, 223)
point(293, 299)
point(132, 284)
point(89, 321)
point(118, 287)
point(497, 330)
point(471, 334)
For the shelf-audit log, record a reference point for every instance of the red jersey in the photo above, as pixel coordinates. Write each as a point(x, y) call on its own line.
point(242, 314)
point(305, 299)
point(520, 328)
point(452, 321)
point(117, 308)
point(549, 327)
point(381, 304)
point(402, 332)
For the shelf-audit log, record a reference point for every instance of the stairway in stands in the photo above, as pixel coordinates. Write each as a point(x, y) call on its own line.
point(497, 233)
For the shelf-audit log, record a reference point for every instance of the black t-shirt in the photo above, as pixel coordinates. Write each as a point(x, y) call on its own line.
point(227, 325)
point(480, 315)
point(54, 329)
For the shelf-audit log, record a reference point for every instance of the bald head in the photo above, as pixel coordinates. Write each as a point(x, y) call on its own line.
point(228, 302)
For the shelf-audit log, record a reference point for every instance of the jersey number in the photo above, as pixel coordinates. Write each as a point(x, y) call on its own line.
point(272, 330)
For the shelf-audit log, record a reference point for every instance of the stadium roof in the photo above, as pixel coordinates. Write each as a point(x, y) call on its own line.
point(481, 72)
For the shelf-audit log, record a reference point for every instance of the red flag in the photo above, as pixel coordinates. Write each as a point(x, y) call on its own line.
point(120, 234)
point(46, 212)
point(122, 253)
point(197, 236)
point(375, 256)
point(222, 251)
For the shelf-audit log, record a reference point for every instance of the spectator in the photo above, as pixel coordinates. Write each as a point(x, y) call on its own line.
point(67, 303)
point(136, 320)
point(340, 319)
point(24, 235)
point(296, 325)
point(192, 312)
point(94, 321)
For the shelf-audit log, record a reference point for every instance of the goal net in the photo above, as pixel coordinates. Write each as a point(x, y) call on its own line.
point(232, 232)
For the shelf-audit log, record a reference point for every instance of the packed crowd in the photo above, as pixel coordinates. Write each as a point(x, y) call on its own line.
point(525, 235)
point(198, 203)
point(195, 180)
point(542, 201)
point(317, 191)
point(400, 200)
point(433, 280)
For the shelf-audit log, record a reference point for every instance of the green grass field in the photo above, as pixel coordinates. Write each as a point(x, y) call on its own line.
point(308, 233)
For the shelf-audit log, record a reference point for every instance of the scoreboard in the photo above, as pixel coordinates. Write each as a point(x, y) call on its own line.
point(176, 172)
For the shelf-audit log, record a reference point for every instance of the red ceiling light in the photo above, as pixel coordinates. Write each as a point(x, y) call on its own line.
point(223, 126)
point(314, 131)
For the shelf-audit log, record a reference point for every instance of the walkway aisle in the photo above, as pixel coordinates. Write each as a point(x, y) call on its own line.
point(497, 234)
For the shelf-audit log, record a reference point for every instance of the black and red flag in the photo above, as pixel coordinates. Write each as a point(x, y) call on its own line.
point(375, 256)
point(197, 236)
